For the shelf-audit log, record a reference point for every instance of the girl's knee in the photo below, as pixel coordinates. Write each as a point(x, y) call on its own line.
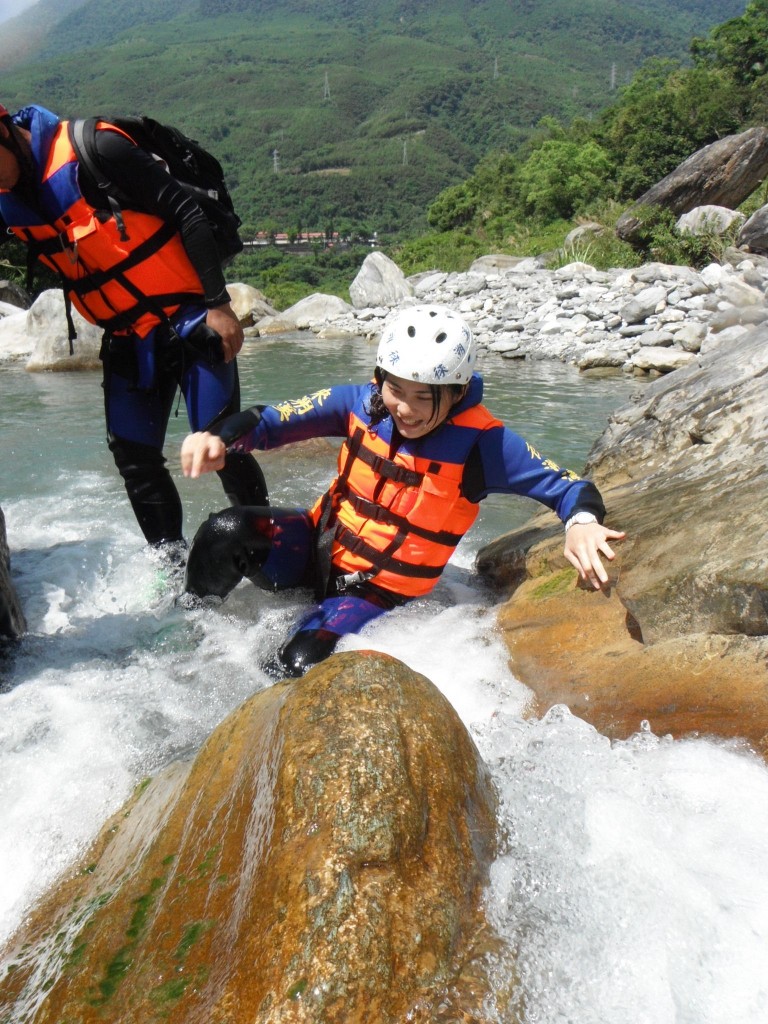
point(229, 545)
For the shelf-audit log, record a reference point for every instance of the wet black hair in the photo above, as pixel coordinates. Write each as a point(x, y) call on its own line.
point(437, 391)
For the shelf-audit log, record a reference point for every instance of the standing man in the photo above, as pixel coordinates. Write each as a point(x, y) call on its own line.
point(150, 276)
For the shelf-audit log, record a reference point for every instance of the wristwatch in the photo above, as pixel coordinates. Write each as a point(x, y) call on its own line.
point(580, 519)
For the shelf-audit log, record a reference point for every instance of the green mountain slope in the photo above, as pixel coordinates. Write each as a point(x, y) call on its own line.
point(346, 113)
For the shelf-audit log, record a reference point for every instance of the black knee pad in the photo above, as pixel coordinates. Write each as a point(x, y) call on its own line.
point(150, 489)
point(229, 545)
point(305, 649)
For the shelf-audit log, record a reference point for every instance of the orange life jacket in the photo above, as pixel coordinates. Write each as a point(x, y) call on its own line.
point(398, 520)
point(122, 280)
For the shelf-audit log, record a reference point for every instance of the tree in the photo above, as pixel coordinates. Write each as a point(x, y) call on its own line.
point(739, 45)
point(665, 115)
point(561, 177)
point(455, 207)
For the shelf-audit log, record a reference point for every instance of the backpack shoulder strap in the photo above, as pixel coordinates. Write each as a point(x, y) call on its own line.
point(82, 135)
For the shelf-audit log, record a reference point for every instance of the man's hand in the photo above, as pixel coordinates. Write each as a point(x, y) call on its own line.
point(583, 546)
point(202, 453)
point(223, 320)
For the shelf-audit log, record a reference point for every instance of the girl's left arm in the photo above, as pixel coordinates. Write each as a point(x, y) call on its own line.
point(510, 464)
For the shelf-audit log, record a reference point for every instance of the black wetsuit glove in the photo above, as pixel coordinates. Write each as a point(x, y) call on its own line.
point(238, 425)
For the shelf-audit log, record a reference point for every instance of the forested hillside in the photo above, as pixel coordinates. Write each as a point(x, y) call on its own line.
point(667, 113)
point(352, 114)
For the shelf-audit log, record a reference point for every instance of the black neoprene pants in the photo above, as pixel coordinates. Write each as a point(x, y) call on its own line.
point(153, 494)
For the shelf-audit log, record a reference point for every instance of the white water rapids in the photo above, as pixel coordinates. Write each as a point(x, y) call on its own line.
point(633, 881)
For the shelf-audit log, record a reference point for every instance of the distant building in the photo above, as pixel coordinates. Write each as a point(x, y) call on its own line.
point(304, 240)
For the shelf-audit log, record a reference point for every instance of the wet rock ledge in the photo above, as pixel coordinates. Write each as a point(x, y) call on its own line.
point(682, 639)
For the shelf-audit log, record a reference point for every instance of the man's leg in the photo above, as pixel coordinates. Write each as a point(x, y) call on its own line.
point(136, 424)
point(151, 491)
point(212, 392)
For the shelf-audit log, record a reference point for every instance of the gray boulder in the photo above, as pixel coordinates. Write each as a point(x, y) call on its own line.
point(704, 220)
point(683, 471)
point(754, 232)
point(15, 343)
point(680, 637)
point(646, 302)
point(314, 310)
point(722, 174)
point(14, 294)
point(12, 622)
point(661, 358)
point(248, 303)
point(583, 234)
point(495, 263)
point(47, 329)
point(379, 282)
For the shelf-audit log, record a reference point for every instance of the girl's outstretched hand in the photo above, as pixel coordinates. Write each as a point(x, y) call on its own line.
point(202, 453)
point(584, 544)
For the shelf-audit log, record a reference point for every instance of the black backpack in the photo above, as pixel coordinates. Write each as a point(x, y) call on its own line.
point(197, 170)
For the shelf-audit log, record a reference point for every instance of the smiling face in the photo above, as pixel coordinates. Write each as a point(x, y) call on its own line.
point(411, 406)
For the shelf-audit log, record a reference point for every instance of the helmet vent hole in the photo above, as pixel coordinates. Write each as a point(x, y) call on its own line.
point(441, 337)
point(411, 332)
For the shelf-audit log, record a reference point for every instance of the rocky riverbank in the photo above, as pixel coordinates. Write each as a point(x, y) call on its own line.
point(652, 319)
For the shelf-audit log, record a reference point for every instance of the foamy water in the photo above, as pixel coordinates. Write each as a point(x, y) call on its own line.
point(632, 884)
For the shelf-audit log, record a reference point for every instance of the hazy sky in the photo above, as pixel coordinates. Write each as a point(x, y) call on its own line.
point(9, 8)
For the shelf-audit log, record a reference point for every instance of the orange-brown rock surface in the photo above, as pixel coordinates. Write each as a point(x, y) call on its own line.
point(320, 860)
point(682, 638)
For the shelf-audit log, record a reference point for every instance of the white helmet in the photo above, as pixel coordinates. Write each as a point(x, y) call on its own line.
point(430, 344)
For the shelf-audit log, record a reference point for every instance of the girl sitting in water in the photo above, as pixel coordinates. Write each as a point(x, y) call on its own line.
point(420, 452)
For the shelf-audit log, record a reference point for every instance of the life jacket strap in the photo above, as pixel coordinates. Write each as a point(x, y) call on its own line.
point(382, 560)
point(384, 515)
point(382, 466)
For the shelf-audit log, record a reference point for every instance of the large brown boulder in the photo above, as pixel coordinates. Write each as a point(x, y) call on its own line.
point(321, 860)
point(682, 638)
point(721, 174)
point(12, 623)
